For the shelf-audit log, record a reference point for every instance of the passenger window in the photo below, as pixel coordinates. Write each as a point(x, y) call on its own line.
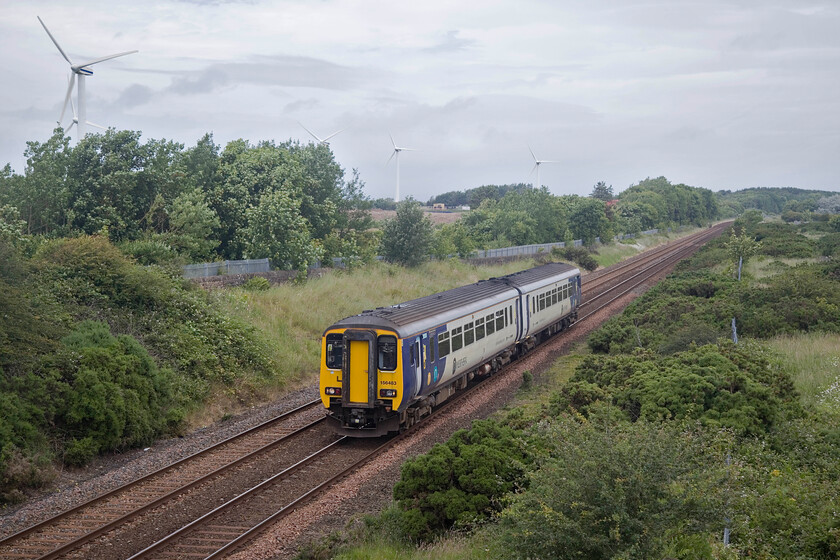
point(500, 320)
point(479, 329)
point(457, 339)
point(432, 342)
point(469, 335)
point(387, 352)
point(490, 325)
point(554, 296)
point(335, 351)
point(443, 344)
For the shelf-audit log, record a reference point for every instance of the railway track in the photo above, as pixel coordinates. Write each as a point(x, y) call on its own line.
point(174, 512)
point(73, 528)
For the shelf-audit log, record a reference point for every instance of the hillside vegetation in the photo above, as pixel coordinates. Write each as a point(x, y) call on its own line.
point(661, 434)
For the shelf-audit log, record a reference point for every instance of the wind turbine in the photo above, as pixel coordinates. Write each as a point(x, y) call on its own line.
point(319, 139)
point(76, 118)
point(396, 153)
point(537, 163)
point(80, 70)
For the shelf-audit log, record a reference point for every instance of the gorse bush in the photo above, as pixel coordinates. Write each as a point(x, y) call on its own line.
point(623, 492)
point(116, 397)
point(735, 387)
point(461, 482)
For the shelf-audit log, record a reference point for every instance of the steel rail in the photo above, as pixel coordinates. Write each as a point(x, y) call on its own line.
point(12, 540)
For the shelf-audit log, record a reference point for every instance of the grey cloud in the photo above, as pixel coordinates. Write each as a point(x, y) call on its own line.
point(280, 70)
point(450, 43)
point(301, 105)
point(134, 95)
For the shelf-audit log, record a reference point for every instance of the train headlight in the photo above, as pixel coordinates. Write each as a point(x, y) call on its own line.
point(333, 391)
point(387, 393)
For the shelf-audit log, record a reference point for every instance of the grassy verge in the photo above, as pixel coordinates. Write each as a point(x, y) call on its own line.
point(813, 361)
point(610, 254)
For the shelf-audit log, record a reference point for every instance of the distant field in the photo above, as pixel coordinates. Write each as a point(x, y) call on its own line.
point(436, 217)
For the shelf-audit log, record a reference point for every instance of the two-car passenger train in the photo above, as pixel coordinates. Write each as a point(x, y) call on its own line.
point(383, 369)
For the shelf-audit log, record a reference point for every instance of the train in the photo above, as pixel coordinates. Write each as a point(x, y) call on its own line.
point(384, 369)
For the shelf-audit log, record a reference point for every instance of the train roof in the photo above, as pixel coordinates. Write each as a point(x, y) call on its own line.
point(426, 312)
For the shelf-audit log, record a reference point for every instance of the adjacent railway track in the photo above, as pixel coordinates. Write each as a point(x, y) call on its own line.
point(72, 528)
point(211, 503)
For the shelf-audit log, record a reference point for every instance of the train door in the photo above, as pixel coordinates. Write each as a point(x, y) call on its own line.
point(417, 362)
point(526, 317)
point(359, 375)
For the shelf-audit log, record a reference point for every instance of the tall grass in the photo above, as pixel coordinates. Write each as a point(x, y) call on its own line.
point(608, 255)
point(813, 361)
point(293, 317)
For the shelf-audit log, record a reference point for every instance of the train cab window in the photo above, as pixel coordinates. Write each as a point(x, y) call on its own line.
point(500, 320)
point(457, 339)
point(387, 352)
point(469, 334)
point(443, 344)
point(490, 325)
point(479, 328)
point(335, 350)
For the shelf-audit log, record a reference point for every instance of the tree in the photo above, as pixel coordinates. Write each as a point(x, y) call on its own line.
point(741, 247)
point(276, 230)
point(191, 226)
point(602, 192)
point(588, 220)
point(407, 239)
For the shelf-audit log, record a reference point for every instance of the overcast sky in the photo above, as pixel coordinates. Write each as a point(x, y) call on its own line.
point(722, 94)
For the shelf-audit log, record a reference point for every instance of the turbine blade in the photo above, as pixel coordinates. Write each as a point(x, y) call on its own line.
point(101, 59)
point(331, 135)
point(392, 140)
point(312, 134)
point(96, 125)
point(392, 157)
point(54, 41)
point(69, 126)
point(533, 169)
point(71, 81)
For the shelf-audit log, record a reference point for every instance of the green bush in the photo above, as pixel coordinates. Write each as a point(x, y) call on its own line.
point(147, 252)
point(460, 482)
point(624, 492)
point(829, 245)
point(257, 284)
point(117, 396)
point(578, 255)
point(736, 387)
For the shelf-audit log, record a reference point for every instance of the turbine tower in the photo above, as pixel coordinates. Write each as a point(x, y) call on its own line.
point(75, 120)
point(537, 163)
point(80, 70)
point(317, 138)
point(396, 153)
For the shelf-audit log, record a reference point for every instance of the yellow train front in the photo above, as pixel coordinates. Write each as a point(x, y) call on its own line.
point(384, 369)
point(361, 381)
